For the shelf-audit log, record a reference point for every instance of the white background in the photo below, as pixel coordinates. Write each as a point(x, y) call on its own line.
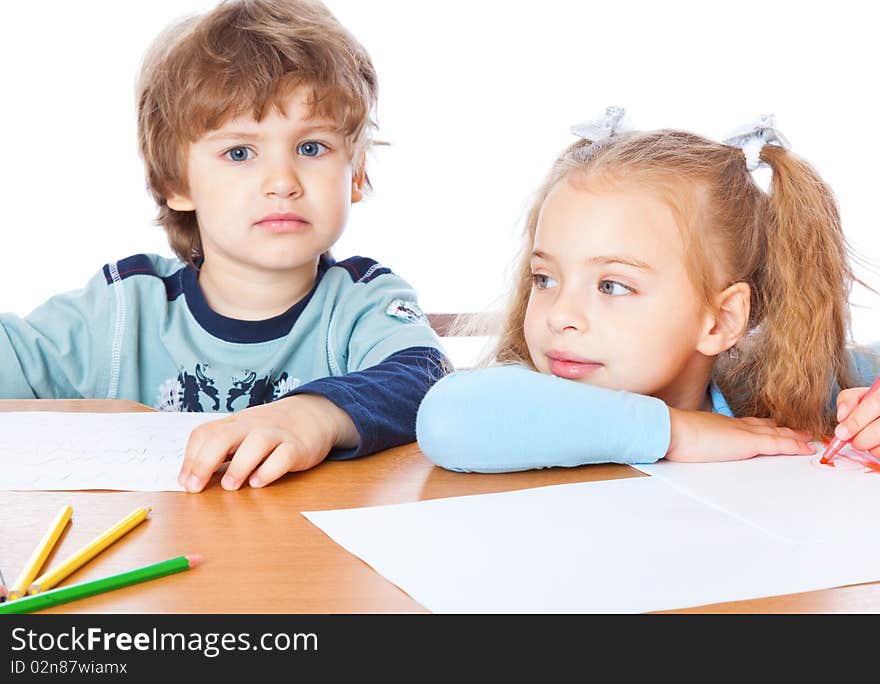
point(476, 96)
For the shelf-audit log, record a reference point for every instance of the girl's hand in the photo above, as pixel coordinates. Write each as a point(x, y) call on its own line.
point(861, 420)
point(700, 436)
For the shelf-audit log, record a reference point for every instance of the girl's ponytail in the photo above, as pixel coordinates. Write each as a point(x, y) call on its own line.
point(797, 353)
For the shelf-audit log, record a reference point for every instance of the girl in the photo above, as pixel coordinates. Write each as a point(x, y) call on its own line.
point(664, 306)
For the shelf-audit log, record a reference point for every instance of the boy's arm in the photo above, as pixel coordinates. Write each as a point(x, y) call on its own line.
point(14, 383)
point(382, 400)
point(387, 357)
point(509, 418)
point(55, 351)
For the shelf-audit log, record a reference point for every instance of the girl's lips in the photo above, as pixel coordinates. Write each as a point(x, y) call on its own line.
point(570, 369)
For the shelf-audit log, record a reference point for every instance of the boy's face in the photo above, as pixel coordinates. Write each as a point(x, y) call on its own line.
point(270, 195)
point(611, 303)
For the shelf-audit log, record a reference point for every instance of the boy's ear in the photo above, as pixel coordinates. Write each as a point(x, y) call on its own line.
point(728, 323)
point(180, 202)
point(357, 184)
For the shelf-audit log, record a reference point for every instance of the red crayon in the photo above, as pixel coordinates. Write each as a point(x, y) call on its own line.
point(838, 444)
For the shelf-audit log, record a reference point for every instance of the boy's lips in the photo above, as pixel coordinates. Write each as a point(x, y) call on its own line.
point(282, 223)
point(570, 366)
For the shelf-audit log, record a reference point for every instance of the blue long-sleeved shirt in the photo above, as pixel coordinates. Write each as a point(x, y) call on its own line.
point(510, 418)
point(142, 330)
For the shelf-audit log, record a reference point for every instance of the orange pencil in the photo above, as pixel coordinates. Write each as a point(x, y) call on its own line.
point(838, 444)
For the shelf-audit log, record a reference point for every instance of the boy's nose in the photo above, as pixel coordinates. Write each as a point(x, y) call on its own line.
point(282, 182)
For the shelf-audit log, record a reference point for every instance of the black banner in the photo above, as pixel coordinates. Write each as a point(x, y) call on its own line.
point(138, 647)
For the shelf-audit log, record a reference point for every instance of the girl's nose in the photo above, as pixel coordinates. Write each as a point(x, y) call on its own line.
point(567, 314)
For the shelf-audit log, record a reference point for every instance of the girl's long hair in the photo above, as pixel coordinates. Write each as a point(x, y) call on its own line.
point(787, 245)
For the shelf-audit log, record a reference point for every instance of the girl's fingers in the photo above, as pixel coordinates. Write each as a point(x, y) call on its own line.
point(860, 417)
point(799, 435)
point(847, 400)
point(869, 437)
point(752, 420)
point(775, 446)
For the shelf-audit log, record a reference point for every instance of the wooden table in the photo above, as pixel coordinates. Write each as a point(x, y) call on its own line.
point(262, 556)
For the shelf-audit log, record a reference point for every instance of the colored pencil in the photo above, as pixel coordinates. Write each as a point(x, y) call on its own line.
point(838, 444)
point(89, 551)
point(2, 588)
point(53, 597)
point(40, 553)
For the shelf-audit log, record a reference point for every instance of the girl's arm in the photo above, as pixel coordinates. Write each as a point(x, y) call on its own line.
point(509, 418)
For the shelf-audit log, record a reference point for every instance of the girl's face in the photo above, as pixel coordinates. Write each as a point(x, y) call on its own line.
point(611, 302)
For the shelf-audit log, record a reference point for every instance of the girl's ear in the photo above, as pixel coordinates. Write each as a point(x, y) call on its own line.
point(728, 323)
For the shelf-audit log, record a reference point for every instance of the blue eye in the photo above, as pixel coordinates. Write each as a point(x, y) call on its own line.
point(239, 154)
point(543, 282)
point(311, 148)
point(612, 287)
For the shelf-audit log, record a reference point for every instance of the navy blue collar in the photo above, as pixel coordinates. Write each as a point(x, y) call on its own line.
point(235, 330)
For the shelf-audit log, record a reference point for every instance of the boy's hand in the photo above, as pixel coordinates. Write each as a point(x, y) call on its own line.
point(699, 436)
point(295, 433)
point(861, 420)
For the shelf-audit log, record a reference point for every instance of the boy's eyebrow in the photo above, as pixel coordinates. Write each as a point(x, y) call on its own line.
point(602, 260)
point(324, 126)
point(238, 135)
point(327, 126)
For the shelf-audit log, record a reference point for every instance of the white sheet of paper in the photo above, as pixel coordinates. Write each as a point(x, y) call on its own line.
point(619, 546)
point(133, 451)
point(792, 497)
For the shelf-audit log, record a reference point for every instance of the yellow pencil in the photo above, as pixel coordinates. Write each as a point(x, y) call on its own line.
point(38, 557)
point(89, 551)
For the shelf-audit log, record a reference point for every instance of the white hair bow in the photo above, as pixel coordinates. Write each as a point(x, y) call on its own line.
point(604, 127)
point(752, 138)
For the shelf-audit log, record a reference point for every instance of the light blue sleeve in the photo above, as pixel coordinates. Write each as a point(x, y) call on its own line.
point(510, 418)
point(384, 318)
point(58, 351)
point(866, 360)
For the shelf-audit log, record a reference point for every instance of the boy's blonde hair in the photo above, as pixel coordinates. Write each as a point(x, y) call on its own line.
point(787, 245)
point(244, 56)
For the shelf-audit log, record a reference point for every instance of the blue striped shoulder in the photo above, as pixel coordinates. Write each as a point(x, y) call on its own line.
point(362, 269)
point(167, 269)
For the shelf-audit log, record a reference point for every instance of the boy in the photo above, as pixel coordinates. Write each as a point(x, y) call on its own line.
point(253, 123)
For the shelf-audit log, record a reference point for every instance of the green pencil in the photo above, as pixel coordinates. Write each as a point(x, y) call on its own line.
point(53, 597)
